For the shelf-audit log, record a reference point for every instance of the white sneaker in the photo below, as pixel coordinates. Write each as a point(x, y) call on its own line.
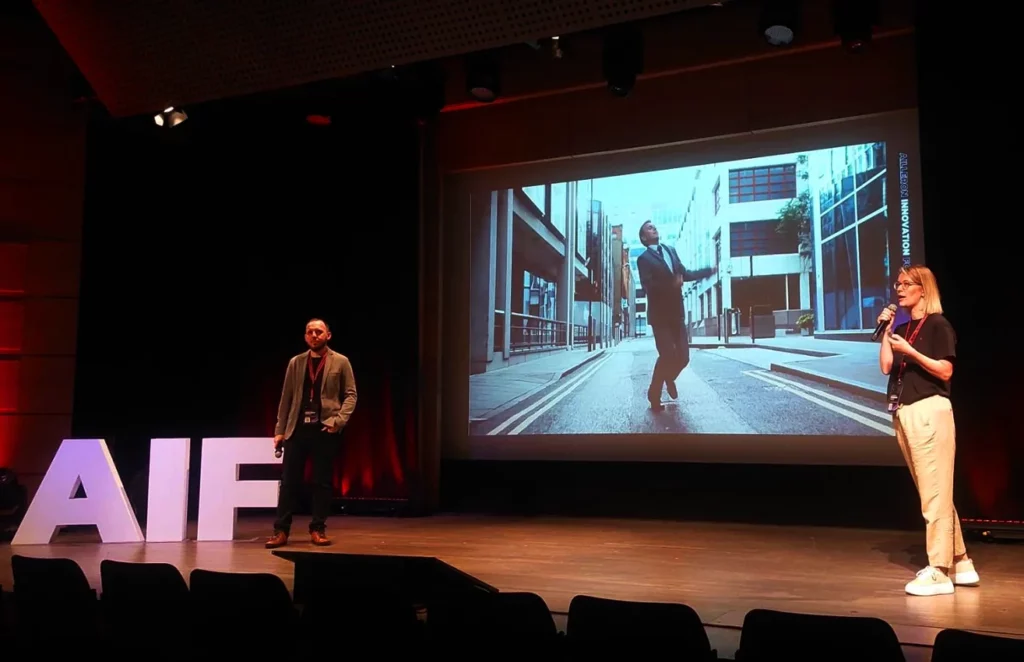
point(930, 581)
point(964, 574)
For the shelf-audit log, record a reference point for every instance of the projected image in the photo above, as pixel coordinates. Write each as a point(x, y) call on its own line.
point(746, 307)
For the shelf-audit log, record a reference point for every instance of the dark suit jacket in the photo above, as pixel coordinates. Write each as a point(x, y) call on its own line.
point(664, 296)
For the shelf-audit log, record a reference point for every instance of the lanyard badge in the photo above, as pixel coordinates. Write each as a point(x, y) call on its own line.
point(896, 390)
point(311, 413)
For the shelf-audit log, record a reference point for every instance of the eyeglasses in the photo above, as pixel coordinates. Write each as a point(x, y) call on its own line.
point(904, 283)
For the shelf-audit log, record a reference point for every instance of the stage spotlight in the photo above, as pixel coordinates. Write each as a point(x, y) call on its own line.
point(622, 58)
point(778, 22)
point(556, 47)
point(854, 20)
point(170, 117)
point(483, 79)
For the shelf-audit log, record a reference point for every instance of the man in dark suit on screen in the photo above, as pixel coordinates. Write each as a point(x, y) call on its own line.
point(662, 276)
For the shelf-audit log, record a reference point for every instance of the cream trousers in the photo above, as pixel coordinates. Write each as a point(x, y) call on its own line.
point(927, 436)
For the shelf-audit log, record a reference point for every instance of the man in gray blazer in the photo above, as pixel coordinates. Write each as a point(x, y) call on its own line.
point(318, 397)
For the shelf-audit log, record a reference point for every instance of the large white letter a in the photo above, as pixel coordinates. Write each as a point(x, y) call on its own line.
point(86, 463)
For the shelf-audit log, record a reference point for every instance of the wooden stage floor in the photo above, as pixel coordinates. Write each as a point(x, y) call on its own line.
point(721, 570)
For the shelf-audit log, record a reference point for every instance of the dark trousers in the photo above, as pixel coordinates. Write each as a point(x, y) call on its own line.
point(306, 442)
point(673, 345)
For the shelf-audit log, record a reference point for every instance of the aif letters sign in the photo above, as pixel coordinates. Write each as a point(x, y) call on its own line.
point(86, 463)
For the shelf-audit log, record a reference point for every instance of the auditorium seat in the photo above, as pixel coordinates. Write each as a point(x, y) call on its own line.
point(55, 604)
point(960, 646)
point(250, 612)
point(777, 635)
point(145, 602)
point(656, 624)
point(523, 618)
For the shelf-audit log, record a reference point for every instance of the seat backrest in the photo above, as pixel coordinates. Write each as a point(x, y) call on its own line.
point(141, 582)
point(954, 645)
point(240, 592)
point(523, 614)
point(494, 616)
point(53, 593)
point(597, 619)
point(49, 578)
point(228, 608)
point(769, 634)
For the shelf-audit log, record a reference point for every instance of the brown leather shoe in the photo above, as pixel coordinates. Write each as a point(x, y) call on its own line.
point(319, 538)
point(279, 539)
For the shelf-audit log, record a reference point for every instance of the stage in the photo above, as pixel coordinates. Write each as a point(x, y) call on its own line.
point(721, 570)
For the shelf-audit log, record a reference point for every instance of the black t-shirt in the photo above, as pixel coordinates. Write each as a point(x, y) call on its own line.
point(936, 340)
point(311, 388)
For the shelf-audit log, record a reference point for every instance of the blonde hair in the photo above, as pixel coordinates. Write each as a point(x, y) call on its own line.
point(923, 276)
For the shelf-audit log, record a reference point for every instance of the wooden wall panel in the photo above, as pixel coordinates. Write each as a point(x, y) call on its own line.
point(13, 268)
point(38, 438)
point(8, 433)
point(37, 152)
point(692, 39)
point(54, 267)
point(46, 324)
point(46, 385)
point(9, 381)
point(12, 326)
point(816, 84)
point(41, 209)
point(42, 184)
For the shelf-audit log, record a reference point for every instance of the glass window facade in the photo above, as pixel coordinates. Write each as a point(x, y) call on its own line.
point(777, 182)
point(755, 238)
point(854, 231)
point(557, 215)
point(584, 197)
point(539, 296)
point(536, 194)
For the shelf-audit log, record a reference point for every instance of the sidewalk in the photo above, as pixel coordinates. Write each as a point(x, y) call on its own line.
point(847, 364)
point(491, 393)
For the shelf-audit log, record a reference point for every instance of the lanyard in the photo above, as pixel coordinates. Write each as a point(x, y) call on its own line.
point(319, 369)
point(910, 339)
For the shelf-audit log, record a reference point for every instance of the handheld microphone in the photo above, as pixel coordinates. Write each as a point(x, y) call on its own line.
point(881, 325)
point(279, 450)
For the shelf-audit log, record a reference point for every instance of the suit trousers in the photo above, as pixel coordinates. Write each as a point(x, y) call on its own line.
point(308, 441)
point(926, 434)
point(673, 346)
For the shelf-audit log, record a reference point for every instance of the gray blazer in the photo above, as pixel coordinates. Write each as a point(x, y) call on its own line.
point(337, 393)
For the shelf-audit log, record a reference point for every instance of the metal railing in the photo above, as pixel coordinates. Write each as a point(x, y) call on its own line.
point(528, 332)
point(579, 334)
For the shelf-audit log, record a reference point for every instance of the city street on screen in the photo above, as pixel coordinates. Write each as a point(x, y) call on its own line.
point(802, 250)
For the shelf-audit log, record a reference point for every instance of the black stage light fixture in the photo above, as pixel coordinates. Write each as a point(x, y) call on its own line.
point(779, 21)
point(483, 78)
point(622, 58)
point(854, 20)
